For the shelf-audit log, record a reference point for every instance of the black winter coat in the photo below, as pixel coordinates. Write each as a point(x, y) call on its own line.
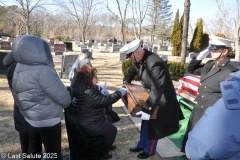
point(20, 123)
point(155, 78)
point(89, 104)
point(209, 89)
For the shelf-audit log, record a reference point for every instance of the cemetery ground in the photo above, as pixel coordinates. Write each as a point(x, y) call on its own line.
point(109, 68)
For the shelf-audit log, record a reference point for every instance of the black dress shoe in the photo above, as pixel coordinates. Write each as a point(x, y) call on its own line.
point(113, 147)
point(135, 149)
point(143, 155)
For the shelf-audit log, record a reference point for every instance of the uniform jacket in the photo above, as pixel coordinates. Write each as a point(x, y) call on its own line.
point(89, 105)
point(217, 134)
point(36, 87)
point(20, 123)
point(155, 78)
point(209, 90)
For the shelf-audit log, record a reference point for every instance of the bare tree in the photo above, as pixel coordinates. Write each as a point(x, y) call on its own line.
point(26, 8)
point(122, 11)
point(185, 30)
point(235, 17)
point(83, 13)
point(139, 11)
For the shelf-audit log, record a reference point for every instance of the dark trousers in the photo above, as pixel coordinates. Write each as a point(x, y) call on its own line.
point(24, 140)
point(50, 137)
point(148, 146)
point(109, 132)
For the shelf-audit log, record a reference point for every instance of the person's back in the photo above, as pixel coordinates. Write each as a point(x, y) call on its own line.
point(217, 134)
point(39, 93)
point(20, 123)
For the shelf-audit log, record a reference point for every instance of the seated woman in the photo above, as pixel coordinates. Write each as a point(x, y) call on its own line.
point(89, 104)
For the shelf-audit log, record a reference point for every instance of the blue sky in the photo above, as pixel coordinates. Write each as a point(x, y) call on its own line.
point(205, 9)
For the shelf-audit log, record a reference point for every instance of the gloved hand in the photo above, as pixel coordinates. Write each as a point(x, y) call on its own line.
point(144, 116)
point(123, 91)
point(203, 54)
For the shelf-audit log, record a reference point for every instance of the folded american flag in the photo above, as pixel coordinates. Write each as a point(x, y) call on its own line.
point(189, 84)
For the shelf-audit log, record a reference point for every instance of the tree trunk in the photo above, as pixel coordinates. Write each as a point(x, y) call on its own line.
point(123, 37)
point(185, 30)
point(237, 56)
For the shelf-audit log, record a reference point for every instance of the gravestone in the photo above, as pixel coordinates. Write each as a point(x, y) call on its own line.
point(145, 46)
point(3, 69)
point(76, 42)
point(56, 41)
point(67, 62)
point(107, 45)
point(5, 45)
point(5, 38)
point(95, 45)
point(102, 43)
point(11, 39)
point(163, 48)
point(68, 46)
point(90, 43)
point(88, 52)
point(83, 48)
point(59, 49)
point(116, 48)
point(122, 57)
point(155, 49)
point(120, 42)
point(110, 44)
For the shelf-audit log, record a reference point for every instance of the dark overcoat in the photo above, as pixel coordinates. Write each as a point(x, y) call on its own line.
point(155, 77)
point(20, 123)
point(209, 89)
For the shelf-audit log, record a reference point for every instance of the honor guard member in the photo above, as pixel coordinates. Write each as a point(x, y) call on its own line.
point(154, 74)
point(212, 73)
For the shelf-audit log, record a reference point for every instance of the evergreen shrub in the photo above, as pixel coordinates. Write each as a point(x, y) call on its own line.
point(125, 67)
point(176, 70)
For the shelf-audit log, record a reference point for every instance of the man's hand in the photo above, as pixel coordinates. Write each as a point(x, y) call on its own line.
point(144, 116)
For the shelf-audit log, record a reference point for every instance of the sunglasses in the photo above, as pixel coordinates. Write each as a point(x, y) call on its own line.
point(129, 55)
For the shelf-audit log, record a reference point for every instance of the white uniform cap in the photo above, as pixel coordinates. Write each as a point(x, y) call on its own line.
point(218, 42)
point(130, 47)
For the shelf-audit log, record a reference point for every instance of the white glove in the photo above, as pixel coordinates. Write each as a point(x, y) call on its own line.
point(123, 91)
point(202, 54)
point(144, 116)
